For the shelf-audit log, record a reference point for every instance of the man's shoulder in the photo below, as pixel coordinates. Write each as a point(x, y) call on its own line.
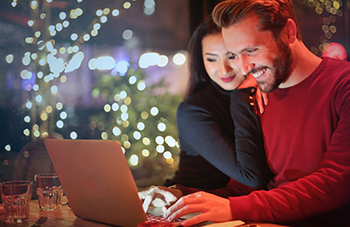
point(335, 70)
point(337, 65)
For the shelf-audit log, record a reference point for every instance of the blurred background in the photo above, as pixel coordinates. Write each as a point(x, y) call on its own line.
point(111, 69)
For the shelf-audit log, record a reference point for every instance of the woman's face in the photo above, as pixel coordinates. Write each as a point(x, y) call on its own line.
point(218, 63)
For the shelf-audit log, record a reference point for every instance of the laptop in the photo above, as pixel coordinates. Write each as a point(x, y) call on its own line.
point(99, 186)
point(97, 180)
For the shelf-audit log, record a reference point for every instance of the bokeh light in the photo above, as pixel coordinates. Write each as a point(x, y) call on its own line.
point(179, 59)
point(134, 160)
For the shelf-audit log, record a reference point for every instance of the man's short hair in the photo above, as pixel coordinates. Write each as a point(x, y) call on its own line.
point(272, 14)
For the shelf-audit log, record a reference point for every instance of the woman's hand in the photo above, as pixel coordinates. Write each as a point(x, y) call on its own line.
point(261, 97)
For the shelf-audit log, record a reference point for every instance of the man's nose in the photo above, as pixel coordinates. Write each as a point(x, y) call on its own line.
point(246, 65)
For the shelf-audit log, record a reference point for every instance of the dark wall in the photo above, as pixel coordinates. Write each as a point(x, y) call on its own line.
point(199, 10)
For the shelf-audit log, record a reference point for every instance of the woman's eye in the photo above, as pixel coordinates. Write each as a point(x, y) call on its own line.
point(211, 59)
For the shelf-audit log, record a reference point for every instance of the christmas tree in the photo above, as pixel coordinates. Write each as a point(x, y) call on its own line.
point(51, 53)
point(143, 119)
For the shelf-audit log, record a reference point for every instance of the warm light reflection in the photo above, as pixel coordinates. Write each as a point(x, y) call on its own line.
point(74, 36)
point(160, 148)
point(127, 34)
point(141, 85)
point(43, 116)
point(170, 141)
point(115, 12)
point(154, 111)
point(144, 115)
point(149, 7)
point(141, 126)
point(116, 131)
point(63, 115)
point(8, 147)
point(30, 23)
point(59, 106)
point(146, 141)
point(167, 155)
point(122, 67)
point(123, 95)
point(9, 58)
point(27, 119)
point(107, 108)
point(132, 80)
point(126, 5)
point(179, 59)
point(163, 61)
point(104, 135)
point(159, 140)
point(106, 11)
point(145, 152)
point(59, 124)
point(75, 62)
point(26, 132)
point(161, 127)
point(115, 106)
point(103, 19)
point(102, 63)
point(73, 135)
point(124, 108)
point(99, 12)
point(124, 116)
point(134, 160)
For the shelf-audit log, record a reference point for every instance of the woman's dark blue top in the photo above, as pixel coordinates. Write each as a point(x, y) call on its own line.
point(220, 138)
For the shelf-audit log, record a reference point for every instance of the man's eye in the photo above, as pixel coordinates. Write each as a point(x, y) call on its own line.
point(250, 51)
point(232, 57)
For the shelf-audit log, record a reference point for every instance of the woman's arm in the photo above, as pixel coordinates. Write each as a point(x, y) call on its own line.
point(241, 158)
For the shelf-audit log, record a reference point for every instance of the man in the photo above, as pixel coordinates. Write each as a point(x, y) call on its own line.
point(306, 124)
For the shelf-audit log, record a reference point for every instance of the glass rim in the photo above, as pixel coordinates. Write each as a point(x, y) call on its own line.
point(46, 175)
point(16, 182)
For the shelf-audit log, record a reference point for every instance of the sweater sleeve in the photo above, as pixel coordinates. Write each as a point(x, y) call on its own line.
point(325, 190)
point(241, 158)
point(233, 187)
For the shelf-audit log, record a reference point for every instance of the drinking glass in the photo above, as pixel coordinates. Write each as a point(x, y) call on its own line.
point(49, 191)
point(16, 196)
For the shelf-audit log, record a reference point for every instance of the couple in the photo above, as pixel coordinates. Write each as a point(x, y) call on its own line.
point(306, 125)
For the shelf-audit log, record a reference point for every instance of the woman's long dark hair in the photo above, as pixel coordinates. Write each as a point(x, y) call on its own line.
point(198, 75)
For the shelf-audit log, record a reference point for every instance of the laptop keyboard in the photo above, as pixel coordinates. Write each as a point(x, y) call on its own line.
point(152, 219)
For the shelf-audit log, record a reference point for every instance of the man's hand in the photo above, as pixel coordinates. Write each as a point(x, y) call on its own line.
point(168, 195)
point(211, 208)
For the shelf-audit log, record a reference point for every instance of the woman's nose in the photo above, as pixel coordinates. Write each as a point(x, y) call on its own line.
point(226, 68)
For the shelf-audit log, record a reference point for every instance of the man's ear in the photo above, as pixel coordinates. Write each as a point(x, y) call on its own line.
point(290, 30)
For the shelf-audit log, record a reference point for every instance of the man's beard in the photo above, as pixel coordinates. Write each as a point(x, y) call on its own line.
point(282, 68)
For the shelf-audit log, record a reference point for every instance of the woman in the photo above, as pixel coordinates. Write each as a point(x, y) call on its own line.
point(220, 136)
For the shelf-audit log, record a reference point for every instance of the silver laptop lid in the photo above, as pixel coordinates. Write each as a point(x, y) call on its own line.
point(97, 180)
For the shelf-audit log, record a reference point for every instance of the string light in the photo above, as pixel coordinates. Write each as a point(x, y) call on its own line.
point(333, 8)
point(134, 160)
point(53, 60)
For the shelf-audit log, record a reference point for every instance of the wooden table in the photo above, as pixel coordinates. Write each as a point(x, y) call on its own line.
point(64, 217)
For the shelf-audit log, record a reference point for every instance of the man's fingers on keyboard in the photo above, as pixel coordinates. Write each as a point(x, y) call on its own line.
point(195, 220)
point(188, 209)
